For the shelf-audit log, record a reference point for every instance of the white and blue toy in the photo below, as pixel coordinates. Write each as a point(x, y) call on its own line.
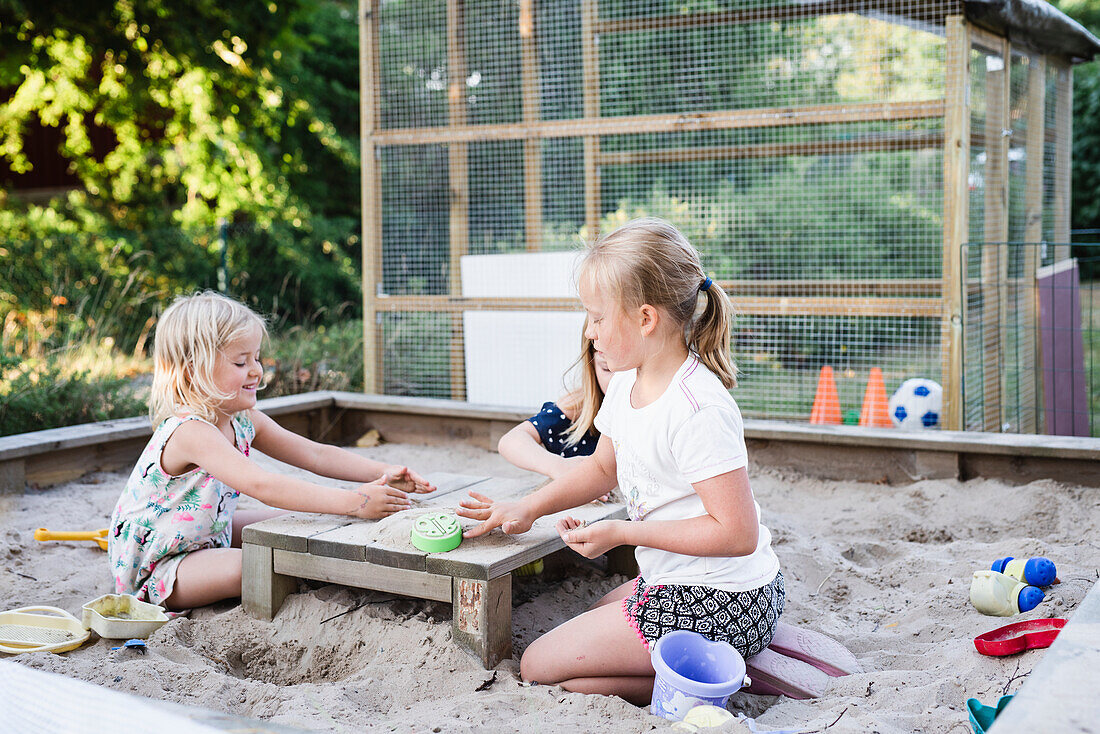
point(917, 404)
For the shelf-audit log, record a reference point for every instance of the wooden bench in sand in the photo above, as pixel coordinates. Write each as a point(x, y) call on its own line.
point(378, 554)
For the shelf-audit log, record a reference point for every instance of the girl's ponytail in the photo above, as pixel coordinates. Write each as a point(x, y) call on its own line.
point(710, 334)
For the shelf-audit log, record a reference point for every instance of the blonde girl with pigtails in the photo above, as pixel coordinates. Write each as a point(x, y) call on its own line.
point(175, 533)
point(672, 438)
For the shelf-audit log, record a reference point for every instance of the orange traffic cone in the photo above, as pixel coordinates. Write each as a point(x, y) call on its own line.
point(826, 401)
point(875, 411)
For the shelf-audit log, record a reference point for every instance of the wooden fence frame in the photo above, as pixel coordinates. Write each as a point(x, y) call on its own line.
point(44, 458)
point(931, 298)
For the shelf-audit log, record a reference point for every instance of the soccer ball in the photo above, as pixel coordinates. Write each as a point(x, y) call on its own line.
point(916, 405)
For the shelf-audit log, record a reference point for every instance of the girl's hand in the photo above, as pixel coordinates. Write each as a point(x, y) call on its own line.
point(589, 540)
point(379, 500)
point(404, 478)
point(511, 517)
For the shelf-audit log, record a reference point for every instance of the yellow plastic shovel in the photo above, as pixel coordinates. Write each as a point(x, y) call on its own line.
point(99, 536)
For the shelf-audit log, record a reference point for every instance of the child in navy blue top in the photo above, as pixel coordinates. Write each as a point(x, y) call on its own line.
point(561, 434)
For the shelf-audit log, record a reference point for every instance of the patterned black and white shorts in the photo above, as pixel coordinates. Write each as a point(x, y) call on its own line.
point(744, 619)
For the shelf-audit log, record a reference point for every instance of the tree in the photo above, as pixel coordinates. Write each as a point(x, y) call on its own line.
point(240, 111)
point(1086, 130)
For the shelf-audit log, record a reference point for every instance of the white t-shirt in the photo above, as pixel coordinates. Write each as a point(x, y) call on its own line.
point(692, 432)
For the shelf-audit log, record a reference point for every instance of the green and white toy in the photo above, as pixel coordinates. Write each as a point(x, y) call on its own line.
point(436, 533)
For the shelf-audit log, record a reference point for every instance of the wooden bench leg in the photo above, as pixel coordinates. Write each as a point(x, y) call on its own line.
point(482, 617)
point(262, 590)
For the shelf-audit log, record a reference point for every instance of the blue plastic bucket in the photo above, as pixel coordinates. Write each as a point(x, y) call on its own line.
point(691, 670)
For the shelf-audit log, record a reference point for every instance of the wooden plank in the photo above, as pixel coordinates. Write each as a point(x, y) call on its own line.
point(956, 169)
point(432, 430)
point(988, 40)
point(67, 437)
point(458, 168)
point(869, 144)
point(925, 287)
point(457, 358)
point(768, 117)
point(928, 12)
point(590, 61)
point(394, 554)
point(532, 101)
point(447, 483)
point(347, 541)
point(1033, 233)
point(356, 402)
point(370, 189)
point(1063, 156)
point(481, 619)
point(994, 254)
point(885, 466)
point(747, 305)
point(1011, 446)
point(839, 306)
point(65, 465)
point(1036, 134)
point(498, 553)
point(262, 589)
point(363, 575)
point(457, 154)
point(13, 477)
point(350, 537)
point(293, 530)
point(1019, 471)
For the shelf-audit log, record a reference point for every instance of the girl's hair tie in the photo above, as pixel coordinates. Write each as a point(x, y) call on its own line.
point(705, 285)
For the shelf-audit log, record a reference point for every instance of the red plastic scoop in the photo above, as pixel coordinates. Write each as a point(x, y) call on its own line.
point(1031, 634)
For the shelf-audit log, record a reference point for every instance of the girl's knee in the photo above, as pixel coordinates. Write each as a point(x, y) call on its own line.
point(534, 665)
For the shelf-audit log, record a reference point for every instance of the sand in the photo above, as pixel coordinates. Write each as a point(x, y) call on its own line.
point(884, 569)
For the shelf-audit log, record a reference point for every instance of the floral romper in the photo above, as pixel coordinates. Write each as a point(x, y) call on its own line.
point(160, 518)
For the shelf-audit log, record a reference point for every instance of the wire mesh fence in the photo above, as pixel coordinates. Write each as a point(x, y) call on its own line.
point(798, 146)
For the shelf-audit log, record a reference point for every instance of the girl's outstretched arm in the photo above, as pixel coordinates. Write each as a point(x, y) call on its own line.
point(730, 526)
point(591, 478)
point(199, 444)
point(329, 461)
point(522, 447)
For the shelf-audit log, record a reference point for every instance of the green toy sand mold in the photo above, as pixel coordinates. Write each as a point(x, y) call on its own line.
point(438, 532)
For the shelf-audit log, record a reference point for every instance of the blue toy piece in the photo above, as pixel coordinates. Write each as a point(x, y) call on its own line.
point(135, 645)
point(1029, 598)
point(1037, 571)
point(982, 716)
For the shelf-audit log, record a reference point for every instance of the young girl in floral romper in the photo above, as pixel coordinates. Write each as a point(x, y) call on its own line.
point(175, 533)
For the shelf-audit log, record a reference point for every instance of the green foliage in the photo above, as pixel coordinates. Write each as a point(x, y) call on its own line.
point(39, 396)
point(323, 357)
point(1086, 146)
point(1085, 182)
point(242, 111)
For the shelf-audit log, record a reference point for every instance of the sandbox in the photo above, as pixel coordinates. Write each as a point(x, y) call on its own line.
point(879, 558)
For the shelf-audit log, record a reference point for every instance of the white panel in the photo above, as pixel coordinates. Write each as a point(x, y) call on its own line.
point(515, 275)
point(518, 358)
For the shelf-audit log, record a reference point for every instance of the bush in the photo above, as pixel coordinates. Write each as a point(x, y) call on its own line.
point(301, 358)
point(36, 398)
